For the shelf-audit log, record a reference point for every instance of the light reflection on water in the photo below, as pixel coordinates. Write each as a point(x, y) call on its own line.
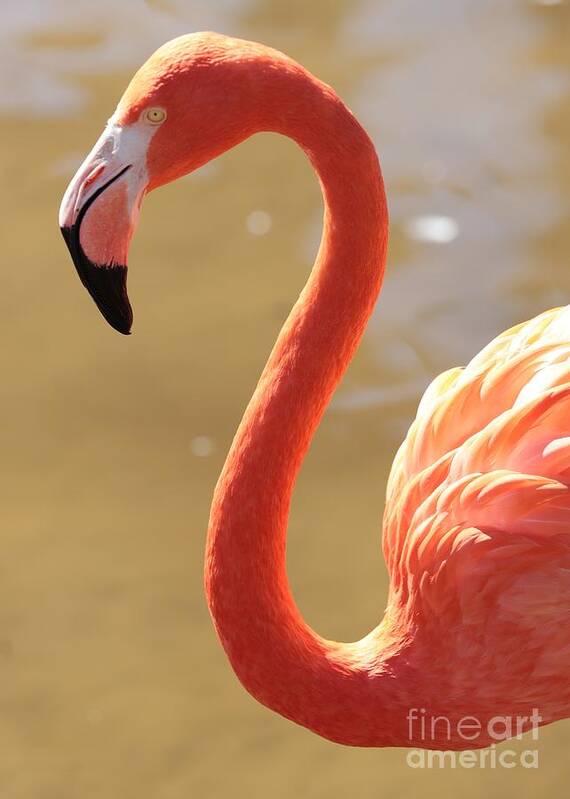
point(465, 96)
point(47, 46)
point(113, 681)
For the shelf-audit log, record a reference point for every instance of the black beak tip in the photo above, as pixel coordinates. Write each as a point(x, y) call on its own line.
point(122, 324)
point(107, 284)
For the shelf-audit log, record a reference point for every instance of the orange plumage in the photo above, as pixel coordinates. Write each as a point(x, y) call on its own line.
point(477, 522)
point(477, 519)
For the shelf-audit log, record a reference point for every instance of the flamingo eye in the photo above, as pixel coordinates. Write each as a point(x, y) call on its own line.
point(155, 115)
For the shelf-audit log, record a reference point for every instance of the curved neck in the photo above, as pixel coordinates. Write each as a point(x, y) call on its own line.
point(335, 689)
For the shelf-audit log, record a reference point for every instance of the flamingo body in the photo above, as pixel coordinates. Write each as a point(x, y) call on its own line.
point(476, 525)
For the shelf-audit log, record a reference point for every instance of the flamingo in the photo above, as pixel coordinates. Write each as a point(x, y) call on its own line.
point(476, 525)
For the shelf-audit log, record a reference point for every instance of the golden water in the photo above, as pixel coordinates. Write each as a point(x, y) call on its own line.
point(112, 682)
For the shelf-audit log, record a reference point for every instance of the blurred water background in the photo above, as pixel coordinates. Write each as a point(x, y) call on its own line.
point(112, 681)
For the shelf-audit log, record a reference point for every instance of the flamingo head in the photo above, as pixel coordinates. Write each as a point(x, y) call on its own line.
point(181, 109)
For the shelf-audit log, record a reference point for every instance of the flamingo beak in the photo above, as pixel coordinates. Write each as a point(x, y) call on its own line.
point(98, 216)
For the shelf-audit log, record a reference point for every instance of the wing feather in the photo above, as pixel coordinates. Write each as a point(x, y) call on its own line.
point(485, 466)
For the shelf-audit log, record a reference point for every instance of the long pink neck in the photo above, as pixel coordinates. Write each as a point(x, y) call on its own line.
point(339, 690)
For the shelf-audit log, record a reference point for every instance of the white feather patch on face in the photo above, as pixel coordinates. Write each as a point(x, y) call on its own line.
point(130, 146)
point(117, 146)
